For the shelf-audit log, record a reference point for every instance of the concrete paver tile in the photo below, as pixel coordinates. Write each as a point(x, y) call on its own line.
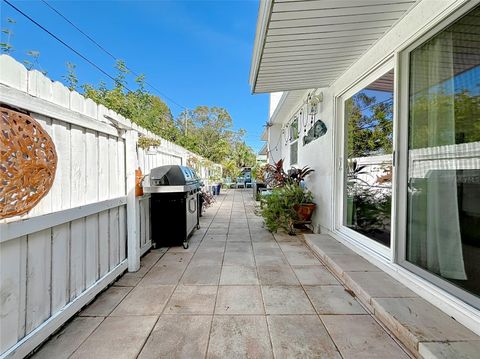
point(244, 258)
point(239, 337)
point(144, 300)
point(106, 302)
point(314, 275)
point(201, 275)
point(301, 258)
point(333, 299)
point(286, 300)
point(276, 275)
point(175, 336)
point(300, 336)
point(192, 300)
point(238, 275)
point(117, 337)
point(67, 340)
point(239, 300)
point(360, 336)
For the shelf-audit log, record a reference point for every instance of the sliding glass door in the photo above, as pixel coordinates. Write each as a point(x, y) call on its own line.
point(367, 169)
point(442, 223)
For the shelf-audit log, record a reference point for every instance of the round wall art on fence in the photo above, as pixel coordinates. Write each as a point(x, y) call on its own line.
point(27, 164)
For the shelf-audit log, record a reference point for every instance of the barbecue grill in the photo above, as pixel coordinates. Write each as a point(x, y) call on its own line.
point(174, 211)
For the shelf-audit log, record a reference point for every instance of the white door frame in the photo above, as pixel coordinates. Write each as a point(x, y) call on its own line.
point(339, 175)
point(402, 91)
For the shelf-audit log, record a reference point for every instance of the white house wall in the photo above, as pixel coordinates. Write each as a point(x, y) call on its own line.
point(319, 153)
point(274, 99)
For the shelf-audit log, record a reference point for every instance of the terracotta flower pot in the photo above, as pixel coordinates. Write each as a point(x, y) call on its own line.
point(138, 182)
point(305, 211)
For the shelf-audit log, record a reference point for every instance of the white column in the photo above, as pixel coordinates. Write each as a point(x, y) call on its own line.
point(133, 240)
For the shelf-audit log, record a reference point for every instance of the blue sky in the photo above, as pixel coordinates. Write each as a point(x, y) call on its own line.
point(196, 52)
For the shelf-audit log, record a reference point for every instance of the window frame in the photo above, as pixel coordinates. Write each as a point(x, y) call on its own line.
point(340, 145)
point(293, 140)
point(403, 65)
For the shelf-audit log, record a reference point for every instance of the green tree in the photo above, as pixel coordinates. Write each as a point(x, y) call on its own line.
point(143, 108)
point(207, 131)
point(71, 77)
point(369, 126)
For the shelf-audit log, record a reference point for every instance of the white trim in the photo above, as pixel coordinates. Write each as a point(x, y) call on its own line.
point(339, 145)
point(279, 107)
point(23, 100)
point(133, 211)
point(43, 332)
point(26, 226)
point(264, 12)
point(145, 247)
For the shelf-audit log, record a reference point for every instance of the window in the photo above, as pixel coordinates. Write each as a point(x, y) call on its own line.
point(443, 184)
point(368, 156)
point(294, 130)
point(294, 153)
point(294, 142)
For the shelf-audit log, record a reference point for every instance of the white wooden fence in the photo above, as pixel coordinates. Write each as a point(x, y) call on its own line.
point(89, 228)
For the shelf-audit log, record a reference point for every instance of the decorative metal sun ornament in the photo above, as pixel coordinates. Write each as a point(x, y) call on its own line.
point(28, 162)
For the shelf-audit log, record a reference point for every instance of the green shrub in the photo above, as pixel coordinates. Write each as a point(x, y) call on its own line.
point(278, 209)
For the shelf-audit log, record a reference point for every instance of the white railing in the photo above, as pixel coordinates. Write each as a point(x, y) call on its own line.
point(89, 228)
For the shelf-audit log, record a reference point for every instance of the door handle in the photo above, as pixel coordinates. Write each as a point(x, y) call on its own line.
point(190, 205)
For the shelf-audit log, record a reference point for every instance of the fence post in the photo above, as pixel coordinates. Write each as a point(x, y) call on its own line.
point(133, 240)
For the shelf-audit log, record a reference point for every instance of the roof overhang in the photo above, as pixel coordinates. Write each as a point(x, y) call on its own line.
point(263, 151)
point(288, 105)
point(264, 136)
point(305, 44)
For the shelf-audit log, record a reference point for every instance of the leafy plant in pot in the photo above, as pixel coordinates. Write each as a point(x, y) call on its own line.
point(280, 209)
point(305, 206)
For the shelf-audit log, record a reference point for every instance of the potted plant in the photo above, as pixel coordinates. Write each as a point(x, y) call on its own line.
point(280, 209)
point(206, 200)
point(305, 206)
point(289, 202)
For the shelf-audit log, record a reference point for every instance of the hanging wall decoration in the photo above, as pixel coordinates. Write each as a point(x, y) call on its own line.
point(28, 162)
point(317, 130)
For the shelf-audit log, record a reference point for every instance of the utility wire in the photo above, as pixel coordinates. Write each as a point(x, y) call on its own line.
point(65, 44)
point(110, 54)
point(390, 99)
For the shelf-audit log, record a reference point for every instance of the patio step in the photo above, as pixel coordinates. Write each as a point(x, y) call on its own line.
point(423, 328)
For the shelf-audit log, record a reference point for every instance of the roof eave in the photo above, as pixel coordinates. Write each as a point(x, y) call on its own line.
point(264, 12)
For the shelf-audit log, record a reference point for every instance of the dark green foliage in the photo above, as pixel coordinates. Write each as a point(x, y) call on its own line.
point(278, 208)
point(143, 108)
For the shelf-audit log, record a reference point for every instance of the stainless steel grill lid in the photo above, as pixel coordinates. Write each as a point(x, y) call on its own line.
point(172, 178)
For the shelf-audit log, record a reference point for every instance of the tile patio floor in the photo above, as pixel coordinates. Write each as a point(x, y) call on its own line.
point(237, 292)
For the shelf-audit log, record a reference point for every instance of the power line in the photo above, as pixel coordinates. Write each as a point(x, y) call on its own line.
point(65, 44)
point(376, 104)
point(110, 54)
